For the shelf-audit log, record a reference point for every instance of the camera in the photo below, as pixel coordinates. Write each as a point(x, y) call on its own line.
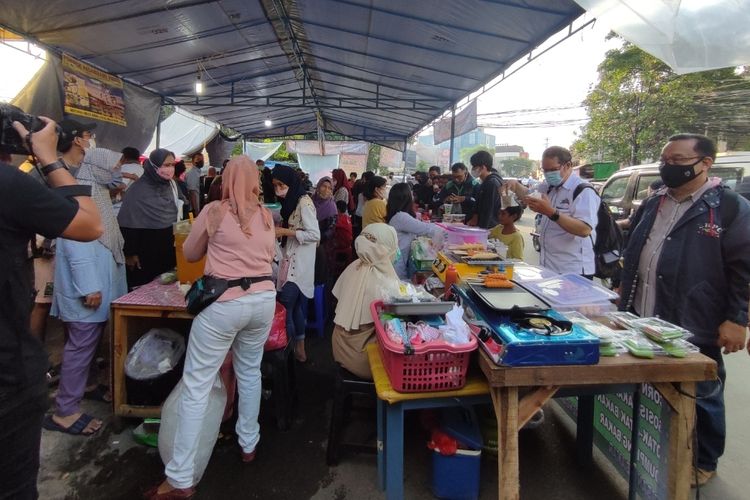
point(10, 141)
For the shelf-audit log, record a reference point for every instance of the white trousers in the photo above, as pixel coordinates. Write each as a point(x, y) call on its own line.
point(242, 324)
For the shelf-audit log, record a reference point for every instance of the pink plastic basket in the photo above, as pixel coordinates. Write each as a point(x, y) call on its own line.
point(436, 366)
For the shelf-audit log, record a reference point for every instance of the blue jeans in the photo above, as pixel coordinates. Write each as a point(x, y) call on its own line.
point(711, 425)
point(292, 299)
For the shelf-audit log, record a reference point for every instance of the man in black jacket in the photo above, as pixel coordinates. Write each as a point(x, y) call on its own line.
point(488, 195)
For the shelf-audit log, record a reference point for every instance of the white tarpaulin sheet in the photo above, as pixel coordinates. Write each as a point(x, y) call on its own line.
point(183, 132)
point(332, 147)
point(317, 166)
point(261, 150)
point(688, 35)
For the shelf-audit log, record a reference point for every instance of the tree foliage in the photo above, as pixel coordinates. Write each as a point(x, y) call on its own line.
point(516, 167)
point(466, 153)
point(373, 158)
point(639, 102)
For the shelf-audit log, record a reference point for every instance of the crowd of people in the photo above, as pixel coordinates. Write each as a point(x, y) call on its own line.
point(353, 236)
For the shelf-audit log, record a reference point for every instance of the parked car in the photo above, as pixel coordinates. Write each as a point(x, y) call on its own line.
point(627, 188)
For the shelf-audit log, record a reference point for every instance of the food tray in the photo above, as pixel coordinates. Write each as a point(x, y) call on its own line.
point(509, 300)
point(435, 366)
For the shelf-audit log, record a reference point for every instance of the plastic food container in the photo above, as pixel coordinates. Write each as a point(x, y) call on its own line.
point(435, 366)
point(572, 292)
point(459, 234)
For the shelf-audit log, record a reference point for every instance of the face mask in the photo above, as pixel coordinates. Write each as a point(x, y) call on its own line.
point(281, 192)
point(165, 173)
point(676, 175)
point(199, 164)
point(475, 172)
point(553, 178)
point(92, 144)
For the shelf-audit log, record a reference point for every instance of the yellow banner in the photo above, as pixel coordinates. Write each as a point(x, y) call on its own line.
point(93, 93)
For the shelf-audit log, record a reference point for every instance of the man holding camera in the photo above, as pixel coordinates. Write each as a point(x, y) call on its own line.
point(28, 208)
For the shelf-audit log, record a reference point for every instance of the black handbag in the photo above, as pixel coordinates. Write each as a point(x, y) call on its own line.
point(207, 289)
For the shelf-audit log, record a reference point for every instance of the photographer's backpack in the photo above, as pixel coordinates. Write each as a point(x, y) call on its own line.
point(609, 240)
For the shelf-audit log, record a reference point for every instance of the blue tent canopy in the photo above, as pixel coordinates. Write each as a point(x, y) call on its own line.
point(375, 70)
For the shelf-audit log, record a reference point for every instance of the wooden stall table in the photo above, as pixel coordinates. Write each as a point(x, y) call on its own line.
point(391, 408)
point(149, 306)
point(674, 378)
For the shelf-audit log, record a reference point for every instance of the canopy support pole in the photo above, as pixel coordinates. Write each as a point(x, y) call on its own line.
point(453, 132)
point(158, 124)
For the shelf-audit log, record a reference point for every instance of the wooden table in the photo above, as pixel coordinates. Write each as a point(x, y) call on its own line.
point(674, 378)
point(391, 408)
point(150, 306)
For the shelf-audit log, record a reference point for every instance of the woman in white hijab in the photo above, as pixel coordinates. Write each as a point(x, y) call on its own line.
point(366, 279)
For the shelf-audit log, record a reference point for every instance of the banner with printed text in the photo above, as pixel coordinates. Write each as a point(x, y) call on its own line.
point(93, 93)
point(613, 428)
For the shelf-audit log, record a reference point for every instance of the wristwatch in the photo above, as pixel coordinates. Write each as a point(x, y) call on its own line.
point(48, 169)
point(555, 216)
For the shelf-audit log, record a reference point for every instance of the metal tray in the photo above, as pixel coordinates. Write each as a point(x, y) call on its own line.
point(509, 300)
point(418, 308)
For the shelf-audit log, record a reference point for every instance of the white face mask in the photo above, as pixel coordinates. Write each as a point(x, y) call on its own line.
point(475, 172)
point(281, 192)
point(92, 143)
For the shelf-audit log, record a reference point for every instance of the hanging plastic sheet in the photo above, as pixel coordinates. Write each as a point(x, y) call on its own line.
point(688, 35)
point(184, 132)
point(318, 166)
point(261, 150)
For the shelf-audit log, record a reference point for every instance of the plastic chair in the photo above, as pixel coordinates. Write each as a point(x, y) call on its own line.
point(346, 386)
point(318, 321)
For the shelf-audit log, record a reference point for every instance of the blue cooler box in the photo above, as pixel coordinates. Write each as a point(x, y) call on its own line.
point(456, 477)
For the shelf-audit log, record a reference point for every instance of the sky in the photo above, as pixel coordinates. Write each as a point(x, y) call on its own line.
point(559, 79)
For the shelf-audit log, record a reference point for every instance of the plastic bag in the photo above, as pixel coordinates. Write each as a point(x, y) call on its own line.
point(209, 431)
point(456, 331)
point(154, 354)
point(277, 338)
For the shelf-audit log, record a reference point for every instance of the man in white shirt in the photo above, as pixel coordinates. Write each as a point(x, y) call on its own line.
point(131, 170)
point(567, 230)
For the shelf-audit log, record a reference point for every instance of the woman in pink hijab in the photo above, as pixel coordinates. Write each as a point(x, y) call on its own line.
point(237, 236)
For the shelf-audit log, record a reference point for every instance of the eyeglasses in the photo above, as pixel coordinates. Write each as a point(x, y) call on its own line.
point(88, 135)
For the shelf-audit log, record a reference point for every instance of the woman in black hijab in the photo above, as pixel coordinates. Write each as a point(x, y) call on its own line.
point(300, 235)
point(146, 219)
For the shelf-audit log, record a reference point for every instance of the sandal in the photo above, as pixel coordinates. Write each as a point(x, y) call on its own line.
point(99, 393)
point(173, 494)
point(76, 429)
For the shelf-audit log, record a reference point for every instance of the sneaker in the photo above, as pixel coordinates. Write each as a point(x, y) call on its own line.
point(700, 477)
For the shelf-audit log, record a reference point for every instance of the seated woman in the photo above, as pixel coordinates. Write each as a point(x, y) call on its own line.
point(364, 281)
point(402, 218)
point(374, 208)
point(237, 237)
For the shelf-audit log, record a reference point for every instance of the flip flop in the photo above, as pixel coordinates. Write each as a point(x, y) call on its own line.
point(99, 393)
point(76, 429)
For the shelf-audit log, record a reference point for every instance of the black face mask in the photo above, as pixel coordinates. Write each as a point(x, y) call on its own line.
point(675, 176)
point(199, 164)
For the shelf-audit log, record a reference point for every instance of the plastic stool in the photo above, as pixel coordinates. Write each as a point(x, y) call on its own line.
point(346, 385)
point(278, 366)
point(318, 322)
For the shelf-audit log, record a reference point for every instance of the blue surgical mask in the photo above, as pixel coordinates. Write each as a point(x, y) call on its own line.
point(553, 178)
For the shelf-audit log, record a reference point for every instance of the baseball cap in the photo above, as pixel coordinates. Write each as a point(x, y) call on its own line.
point(74, 128)
point(70, 130)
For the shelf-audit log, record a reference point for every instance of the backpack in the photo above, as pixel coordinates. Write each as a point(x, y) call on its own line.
point(609, 240)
